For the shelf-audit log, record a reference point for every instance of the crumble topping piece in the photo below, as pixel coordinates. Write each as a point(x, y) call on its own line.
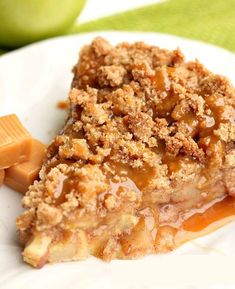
point(111, 75)
point(47, 216)
point(148, 138)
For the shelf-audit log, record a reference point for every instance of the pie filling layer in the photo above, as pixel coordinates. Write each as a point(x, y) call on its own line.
point(145, 161)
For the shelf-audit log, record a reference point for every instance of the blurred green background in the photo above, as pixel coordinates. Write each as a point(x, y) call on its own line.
point(25, 21)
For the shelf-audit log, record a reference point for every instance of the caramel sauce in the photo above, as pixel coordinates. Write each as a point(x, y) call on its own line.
point(197, 225)
point(140, 176)
point(165, 107)
point(175, 163)
point(217, 212)
point(161, 84)
point(197, 222)
point(68, 185)
point(159, 80)
point(170, 70)
point(62, 104)
point(191, 123)
point(201, 224)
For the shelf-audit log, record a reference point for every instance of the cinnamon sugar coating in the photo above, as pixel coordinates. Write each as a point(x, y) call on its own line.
point(145, 129)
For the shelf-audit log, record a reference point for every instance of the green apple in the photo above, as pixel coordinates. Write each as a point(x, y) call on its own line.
point(25, 21)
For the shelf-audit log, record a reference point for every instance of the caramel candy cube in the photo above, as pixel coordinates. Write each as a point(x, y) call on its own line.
point(21, 176)
point(15, 142)
point(2, 175)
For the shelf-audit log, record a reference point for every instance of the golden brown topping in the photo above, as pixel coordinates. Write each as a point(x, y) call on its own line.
point(47, 216)
point(111, 75)
point(73, 148)
point(230, 159)
point(25, 221)
point(101, 46)
point(140, 125)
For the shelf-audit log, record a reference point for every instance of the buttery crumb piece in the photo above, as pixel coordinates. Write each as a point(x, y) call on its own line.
point(74, 148)
point(230, 159)
point(111, 75)
point(149, 137)
point(101, 46)
point(226, 132)
point(48, 216)
point(141, 125)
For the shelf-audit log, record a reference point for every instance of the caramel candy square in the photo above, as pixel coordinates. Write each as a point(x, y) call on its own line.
point(21, 176)
point(15, 142)
point(2, 175)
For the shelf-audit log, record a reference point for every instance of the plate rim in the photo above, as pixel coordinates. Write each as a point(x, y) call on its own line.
point(109, 32)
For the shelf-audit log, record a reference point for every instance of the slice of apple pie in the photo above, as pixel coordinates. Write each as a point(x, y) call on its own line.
point(149, 141)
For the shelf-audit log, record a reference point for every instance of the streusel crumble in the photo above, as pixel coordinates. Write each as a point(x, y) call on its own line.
point(149, 139)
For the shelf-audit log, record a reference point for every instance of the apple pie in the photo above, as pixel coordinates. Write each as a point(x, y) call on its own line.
point(148, 143)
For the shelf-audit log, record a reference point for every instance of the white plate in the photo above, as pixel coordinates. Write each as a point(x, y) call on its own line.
point(32, 80)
